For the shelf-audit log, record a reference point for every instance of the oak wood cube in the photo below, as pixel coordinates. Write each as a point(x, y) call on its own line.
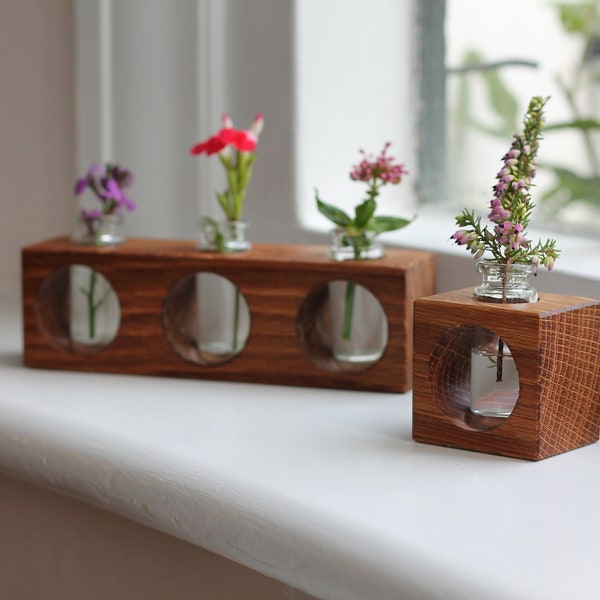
point(285, 288)
point(554, 343)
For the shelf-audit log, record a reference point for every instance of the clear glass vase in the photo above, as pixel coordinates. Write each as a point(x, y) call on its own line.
point(358, 247)
point(222, 236)
point(358, 322)
point(505, 283)
point(359, 329)
point(223, 318)
point(105, 230)
point(494, 375)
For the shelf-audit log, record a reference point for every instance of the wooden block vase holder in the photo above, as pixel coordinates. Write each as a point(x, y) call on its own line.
point(555, 346)
point(285, 288)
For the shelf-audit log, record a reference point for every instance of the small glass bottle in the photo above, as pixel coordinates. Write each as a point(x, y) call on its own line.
point(361, 247)
point(358, 323)
point(508, 284)
point(93, 303)
point(494, 375)
point(104, 230)
point(222, 235)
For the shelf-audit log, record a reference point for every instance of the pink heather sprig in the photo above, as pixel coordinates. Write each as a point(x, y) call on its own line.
point(511, 206)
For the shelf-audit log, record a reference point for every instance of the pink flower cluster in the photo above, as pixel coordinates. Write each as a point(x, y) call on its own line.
point(382, 168)
point(241, 140)
point(471, 240)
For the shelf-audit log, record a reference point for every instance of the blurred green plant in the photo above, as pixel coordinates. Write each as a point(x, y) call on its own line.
point(581, 20)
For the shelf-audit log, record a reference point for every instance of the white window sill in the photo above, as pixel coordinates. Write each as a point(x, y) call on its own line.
point(321, 489)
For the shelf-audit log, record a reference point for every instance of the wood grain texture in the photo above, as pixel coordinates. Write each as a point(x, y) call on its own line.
point(555, 345)
point(278, 282)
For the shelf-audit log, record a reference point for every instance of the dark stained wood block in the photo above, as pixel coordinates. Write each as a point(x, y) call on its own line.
point(555, 345)
point(285, 289)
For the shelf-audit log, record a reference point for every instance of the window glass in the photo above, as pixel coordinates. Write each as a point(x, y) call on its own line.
point(500, 54)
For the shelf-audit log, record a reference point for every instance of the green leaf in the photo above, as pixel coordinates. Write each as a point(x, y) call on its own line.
point(335, 215)
point(364, 212)
point(502, 100)
point(573, 187)
point(577, 18)
point(383, 223)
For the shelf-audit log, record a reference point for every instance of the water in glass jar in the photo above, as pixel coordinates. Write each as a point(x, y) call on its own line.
point(489, 397)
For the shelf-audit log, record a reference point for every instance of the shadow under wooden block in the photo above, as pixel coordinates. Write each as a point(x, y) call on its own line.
point(554, 343)
point(285, 288)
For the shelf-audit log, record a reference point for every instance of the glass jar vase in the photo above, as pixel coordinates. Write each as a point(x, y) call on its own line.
point(494, 375)
point(359, 327)
point(222, 235)
point(223, 318)
point(103, 230)
point(506, 284)
point(358, 322)
point(355, 247)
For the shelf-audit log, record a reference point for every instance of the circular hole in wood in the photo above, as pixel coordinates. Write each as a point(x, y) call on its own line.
point(474, 379)
point(78, 309)
point(206, 319)
point(342, 327)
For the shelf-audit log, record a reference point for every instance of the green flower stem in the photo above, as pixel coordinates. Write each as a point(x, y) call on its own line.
point(91, 306)
point(348, 310)
point(239, 173)
point(236, 320)
point(500, 352)
point(350, 293)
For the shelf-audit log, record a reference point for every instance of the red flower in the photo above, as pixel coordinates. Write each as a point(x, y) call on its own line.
point(241, 140)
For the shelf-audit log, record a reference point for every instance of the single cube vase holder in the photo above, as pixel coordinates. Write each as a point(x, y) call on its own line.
point(554, 343)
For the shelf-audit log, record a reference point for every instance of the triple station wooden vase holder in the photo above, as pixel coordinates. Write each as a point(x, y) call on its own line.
point(555, 344)
point(285, 288)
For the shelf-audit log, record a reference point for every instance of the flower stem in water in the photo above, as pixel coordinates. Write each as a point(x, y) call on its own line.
point(236, 320)
point(91, 306)
point(348, 310)
point(500, 355)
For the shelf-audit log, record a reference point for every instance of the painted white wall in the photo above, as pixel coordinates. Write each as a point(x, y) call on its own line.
point(329, 77)
point(54, 547)
point(356, 88)
point(173, 70)
point(137, 104)
point(37, 128)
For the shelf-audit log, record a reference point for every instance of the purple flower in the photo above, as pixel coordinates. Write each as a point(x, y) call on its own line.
point(92, 172)
point(113, 193)
point(107, 183)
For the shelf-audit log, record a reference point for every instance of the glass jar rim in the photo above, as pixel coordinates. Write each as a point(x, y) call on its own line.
point(484, 266)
